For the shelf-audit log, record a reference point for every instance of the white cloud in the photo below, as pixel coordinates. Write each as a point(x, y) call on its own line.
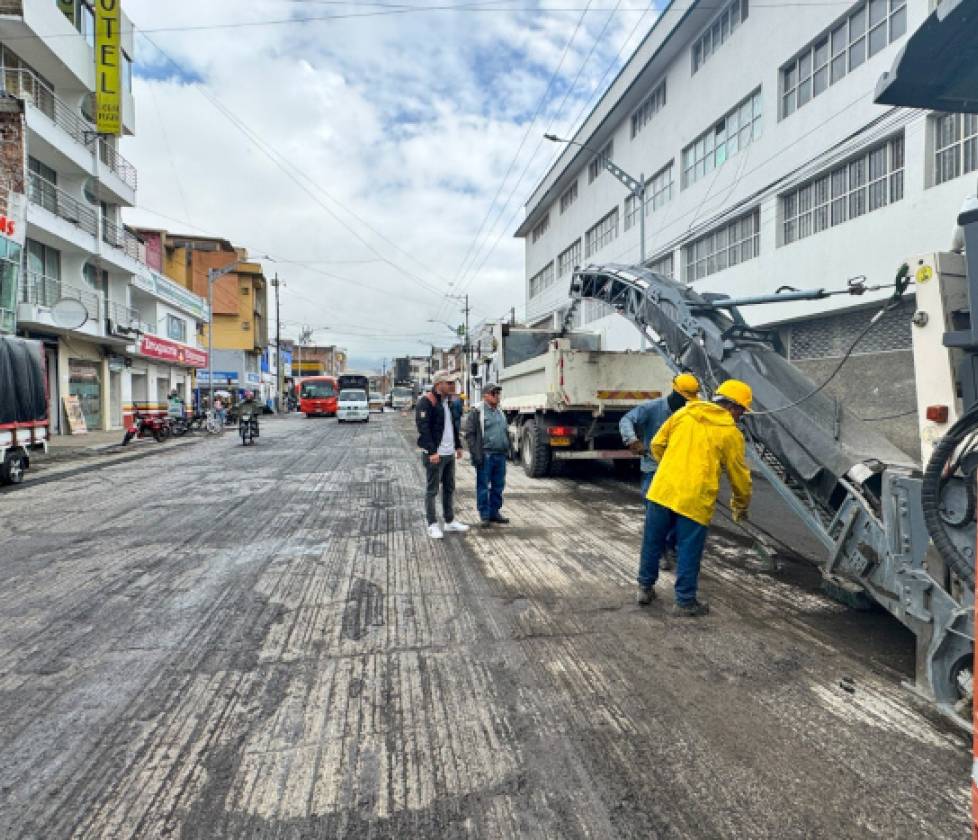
point(410, 121)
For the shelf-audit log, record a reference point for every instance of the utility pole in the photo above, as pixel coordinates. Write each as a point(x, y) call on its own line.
point(467, 350)
point(278, 349)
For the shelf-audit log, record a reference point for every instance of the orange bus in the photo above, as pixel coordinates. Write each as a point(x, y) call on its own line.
point(317, 396)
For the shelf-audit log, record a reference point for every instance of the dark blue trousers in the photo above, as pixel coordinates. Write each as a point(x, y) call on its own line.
point(690, 540)
point(490, 480)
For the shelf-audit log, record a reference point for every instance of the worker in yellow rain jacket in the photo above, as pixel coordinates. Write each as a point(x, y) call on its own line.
point(692, 447)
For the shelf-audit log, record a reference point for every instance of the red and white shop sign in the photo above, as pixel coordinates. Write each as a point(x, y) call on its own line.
point(171, 351)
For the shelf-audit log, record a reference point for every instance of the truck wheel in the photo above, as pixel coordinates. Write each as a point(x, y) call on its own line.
point(12, 471)
point(535, 451)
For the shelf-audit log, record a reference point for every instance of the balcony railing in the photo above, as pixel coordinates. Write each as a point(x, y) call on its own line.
point(123, 316)
point(42, 290)
point(43, 193)
point(118, 237)
point(117, 163)
point(23, 84)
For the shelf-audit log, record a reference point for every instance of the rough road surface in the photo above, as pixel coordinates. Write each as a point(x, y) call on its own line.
point(220, 642)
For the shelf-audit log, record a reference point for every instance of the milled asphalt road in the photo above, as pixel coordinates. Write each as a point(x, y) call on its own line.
point(220, 642)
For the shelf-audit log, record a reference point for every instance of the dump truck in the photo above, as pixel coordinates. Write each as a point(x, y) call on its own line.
point(563, 396)
point(24, 418)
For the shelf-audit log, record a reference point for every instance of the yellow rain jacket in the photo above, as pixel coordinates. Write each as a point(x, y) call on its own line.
point(692, 446)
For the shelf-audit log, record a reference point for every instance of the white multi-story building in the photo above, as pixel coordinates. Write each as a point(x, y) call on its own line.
point(139, 335)
point(766, 162)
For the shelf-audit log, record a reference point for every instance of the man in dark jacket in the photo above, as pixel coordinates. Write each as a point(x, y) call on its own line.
point(438, 438)
point(488, 441)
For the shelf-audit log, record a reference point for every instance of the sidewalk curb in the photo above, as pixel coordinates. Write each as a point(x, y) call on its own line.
point(32, 480)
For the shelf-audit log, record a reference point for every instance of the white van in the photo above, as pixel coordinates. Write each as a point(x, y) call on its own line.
point(353, 406)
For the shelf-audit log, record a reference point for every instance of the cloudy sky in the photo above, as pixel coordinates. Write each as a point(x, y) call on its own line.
point(379, 152)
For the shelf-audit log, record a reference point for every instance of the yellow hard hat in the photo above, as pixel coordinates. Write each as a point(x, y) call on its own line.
point(737, 392)
point(687, 385)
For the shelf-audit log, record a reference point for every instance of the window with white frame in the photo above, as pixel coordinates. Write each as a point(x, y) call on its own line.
point(654, 103)
point(176, 328)
point(840, 49)
point(955, 146)
point(717, 33)
point(866, 183)
point(569, 197)
point(733, 133)
point(541, 227)
point(569, 258)
point(596, 166)
point(658, 190)
point(726, 246)
point(542, 279)
point(605, 231)
point(658, 193)
point(663, 265)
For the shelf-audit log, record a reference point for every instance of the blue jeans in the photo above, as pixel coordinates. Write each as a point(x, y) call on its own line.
point(646, 483)
point(690, 540)
point(490, 480)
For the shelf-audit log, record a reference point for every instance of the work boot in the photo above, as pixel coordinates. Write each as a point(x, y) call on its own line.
point(646, 595)
point(668, 561)
point(502, 520)
point(485, 523)
point(692, 610)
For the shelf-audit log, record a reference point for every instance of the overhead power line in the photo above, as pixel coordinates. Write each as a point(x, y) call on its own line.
point(305, 183)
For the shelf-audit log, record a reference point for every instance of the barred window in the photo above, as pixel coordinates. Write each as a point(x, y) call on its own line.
point(569, 258)
point(725, 247)
point(542, 279)
point(716, 34)
point(956, 146)
point(541, 227)
point(867, 183)
point(596, 166)
point(733, 133)
point(840, 49)
point(569, 197)
point(663, 265)
point(655, 102)
point(605, 231)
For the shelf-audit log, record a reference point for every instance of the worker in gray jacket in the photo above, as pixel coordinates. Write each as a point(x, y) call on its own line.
point(488, 442)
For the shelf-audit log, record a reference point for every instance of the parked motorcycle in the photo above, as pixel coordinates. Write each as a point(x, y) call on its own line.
point(143, 425)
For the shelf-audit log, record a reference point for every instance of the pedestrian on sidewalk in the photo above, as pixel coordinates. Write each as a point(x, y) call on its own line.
point(692, 448)
point(441, 445)
point(639, 426)
point(488, 442)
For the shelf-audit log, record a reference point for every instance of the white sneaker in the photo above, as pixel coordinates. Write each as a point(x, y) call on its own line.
point(456, 527)
point(435, 532)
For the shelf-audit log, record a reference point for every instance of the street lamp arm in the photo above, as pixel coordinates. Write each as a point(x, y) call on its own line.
point(635, 186)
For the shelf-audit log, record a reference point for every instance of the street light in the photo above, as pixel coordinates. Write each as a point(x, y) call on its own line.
point(635, 187)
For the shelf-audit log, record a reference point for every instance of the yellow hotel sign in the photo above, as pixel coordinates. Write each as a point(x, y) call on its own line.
point(108, 61)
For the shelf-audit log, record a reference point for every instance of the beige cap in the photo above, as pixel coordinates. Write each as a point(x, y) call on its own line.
point(444, 376)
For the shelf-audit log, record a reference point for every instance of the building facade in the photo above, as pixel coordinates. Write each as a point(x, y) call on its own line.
point(318, 360)
point(84, 288)
point(240, 301)
point(765, 160)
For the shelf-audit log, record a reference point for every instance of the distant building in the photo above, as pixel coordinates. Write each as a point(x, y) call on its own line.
point(318, 360)
point(240, 317)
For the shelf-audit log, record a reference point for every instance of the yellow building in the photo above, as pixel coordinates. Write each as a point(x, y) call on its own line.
point(240, 316)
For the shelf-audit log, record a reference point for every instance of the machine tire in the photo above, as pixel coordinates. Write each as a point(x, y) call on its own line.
point(535, 453)
point(160, 435)
point(12, 469)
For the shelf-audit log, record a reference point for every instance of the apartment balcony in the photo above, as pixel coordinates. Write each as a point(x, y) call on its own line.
point(124, 321)
point(123, 250)
point(38, 293)
point(73, 222)
point(68, 137)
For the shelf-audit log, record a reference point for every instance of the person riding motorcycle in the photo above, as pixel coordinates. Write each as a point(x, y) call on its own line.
point(248, 410)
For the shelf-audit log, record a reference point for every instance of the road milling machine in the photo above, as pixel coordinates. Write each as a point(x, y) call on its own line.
point(896, 533)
